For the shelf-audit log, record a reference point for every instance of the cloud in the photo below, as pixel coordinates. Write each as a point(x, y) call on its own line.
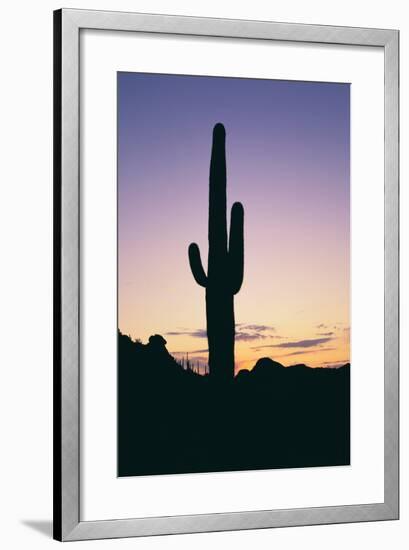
point(325, 333)
point(257, 328)
point(244, 332)
point(313, 342)
point(305, 352)
point(247, 332)
point(244, 336)
point(197, 333)
point(331, 326)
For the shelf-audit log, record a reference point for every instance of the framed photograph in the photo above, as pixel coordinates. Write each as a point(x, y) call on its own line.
point(226, 274)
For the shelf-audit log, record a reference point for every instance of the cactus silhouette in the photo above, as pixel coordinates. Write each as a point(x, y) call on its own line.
point(225, 265)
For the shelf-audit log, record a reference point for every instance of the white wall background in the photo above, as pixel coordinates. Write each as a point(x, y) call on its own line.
point(26, 271)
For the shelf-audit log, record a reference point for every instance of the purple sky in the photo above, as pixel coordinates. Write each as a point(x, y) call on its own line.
point(288, 163)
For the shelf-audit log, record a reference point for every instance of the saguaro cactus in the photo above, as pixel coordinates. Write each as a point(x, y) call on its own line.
point(225, 265)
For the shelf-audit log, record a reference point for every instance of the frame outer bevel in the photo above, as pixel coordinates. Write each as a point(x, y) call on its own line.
point(67, 25)
point(67, 471)
point(392, 273)
point(57, 507)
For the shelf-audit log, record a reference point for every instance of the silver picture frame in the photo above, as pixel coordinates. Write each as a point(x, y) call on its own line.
point(67, 26)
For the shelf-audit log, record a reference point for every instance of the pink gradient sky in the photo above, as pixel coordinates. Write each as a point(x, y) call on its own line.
point(288, 163)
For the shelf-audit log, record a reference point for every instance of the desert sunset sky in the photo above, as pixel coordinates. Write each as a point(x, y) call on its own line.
point(287, 153)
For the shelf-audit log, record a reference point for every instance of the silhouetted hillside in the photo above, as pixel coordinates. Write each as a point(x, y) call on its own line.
point(171, 420)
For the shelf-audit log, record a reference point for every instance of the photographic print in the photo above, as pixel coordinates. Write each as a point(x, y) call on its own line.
point(233, 274)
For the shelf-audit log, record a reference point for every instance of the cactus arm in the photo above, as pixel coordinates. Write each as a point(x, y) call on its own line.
point(236, 247)
point(196, 265)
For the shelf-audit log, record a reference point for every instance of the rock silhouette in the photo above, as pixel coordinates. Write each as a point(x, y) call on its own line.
point(170, 419)
point(225, 265)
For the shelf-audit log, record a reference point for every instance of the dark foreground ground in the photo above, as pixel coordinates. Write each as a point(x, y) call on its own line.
point(174, 421)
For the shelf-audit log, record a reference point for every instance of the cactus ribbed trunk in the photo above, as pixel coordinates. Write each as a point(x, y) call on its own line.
point(225, 265)
point(220, 334)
